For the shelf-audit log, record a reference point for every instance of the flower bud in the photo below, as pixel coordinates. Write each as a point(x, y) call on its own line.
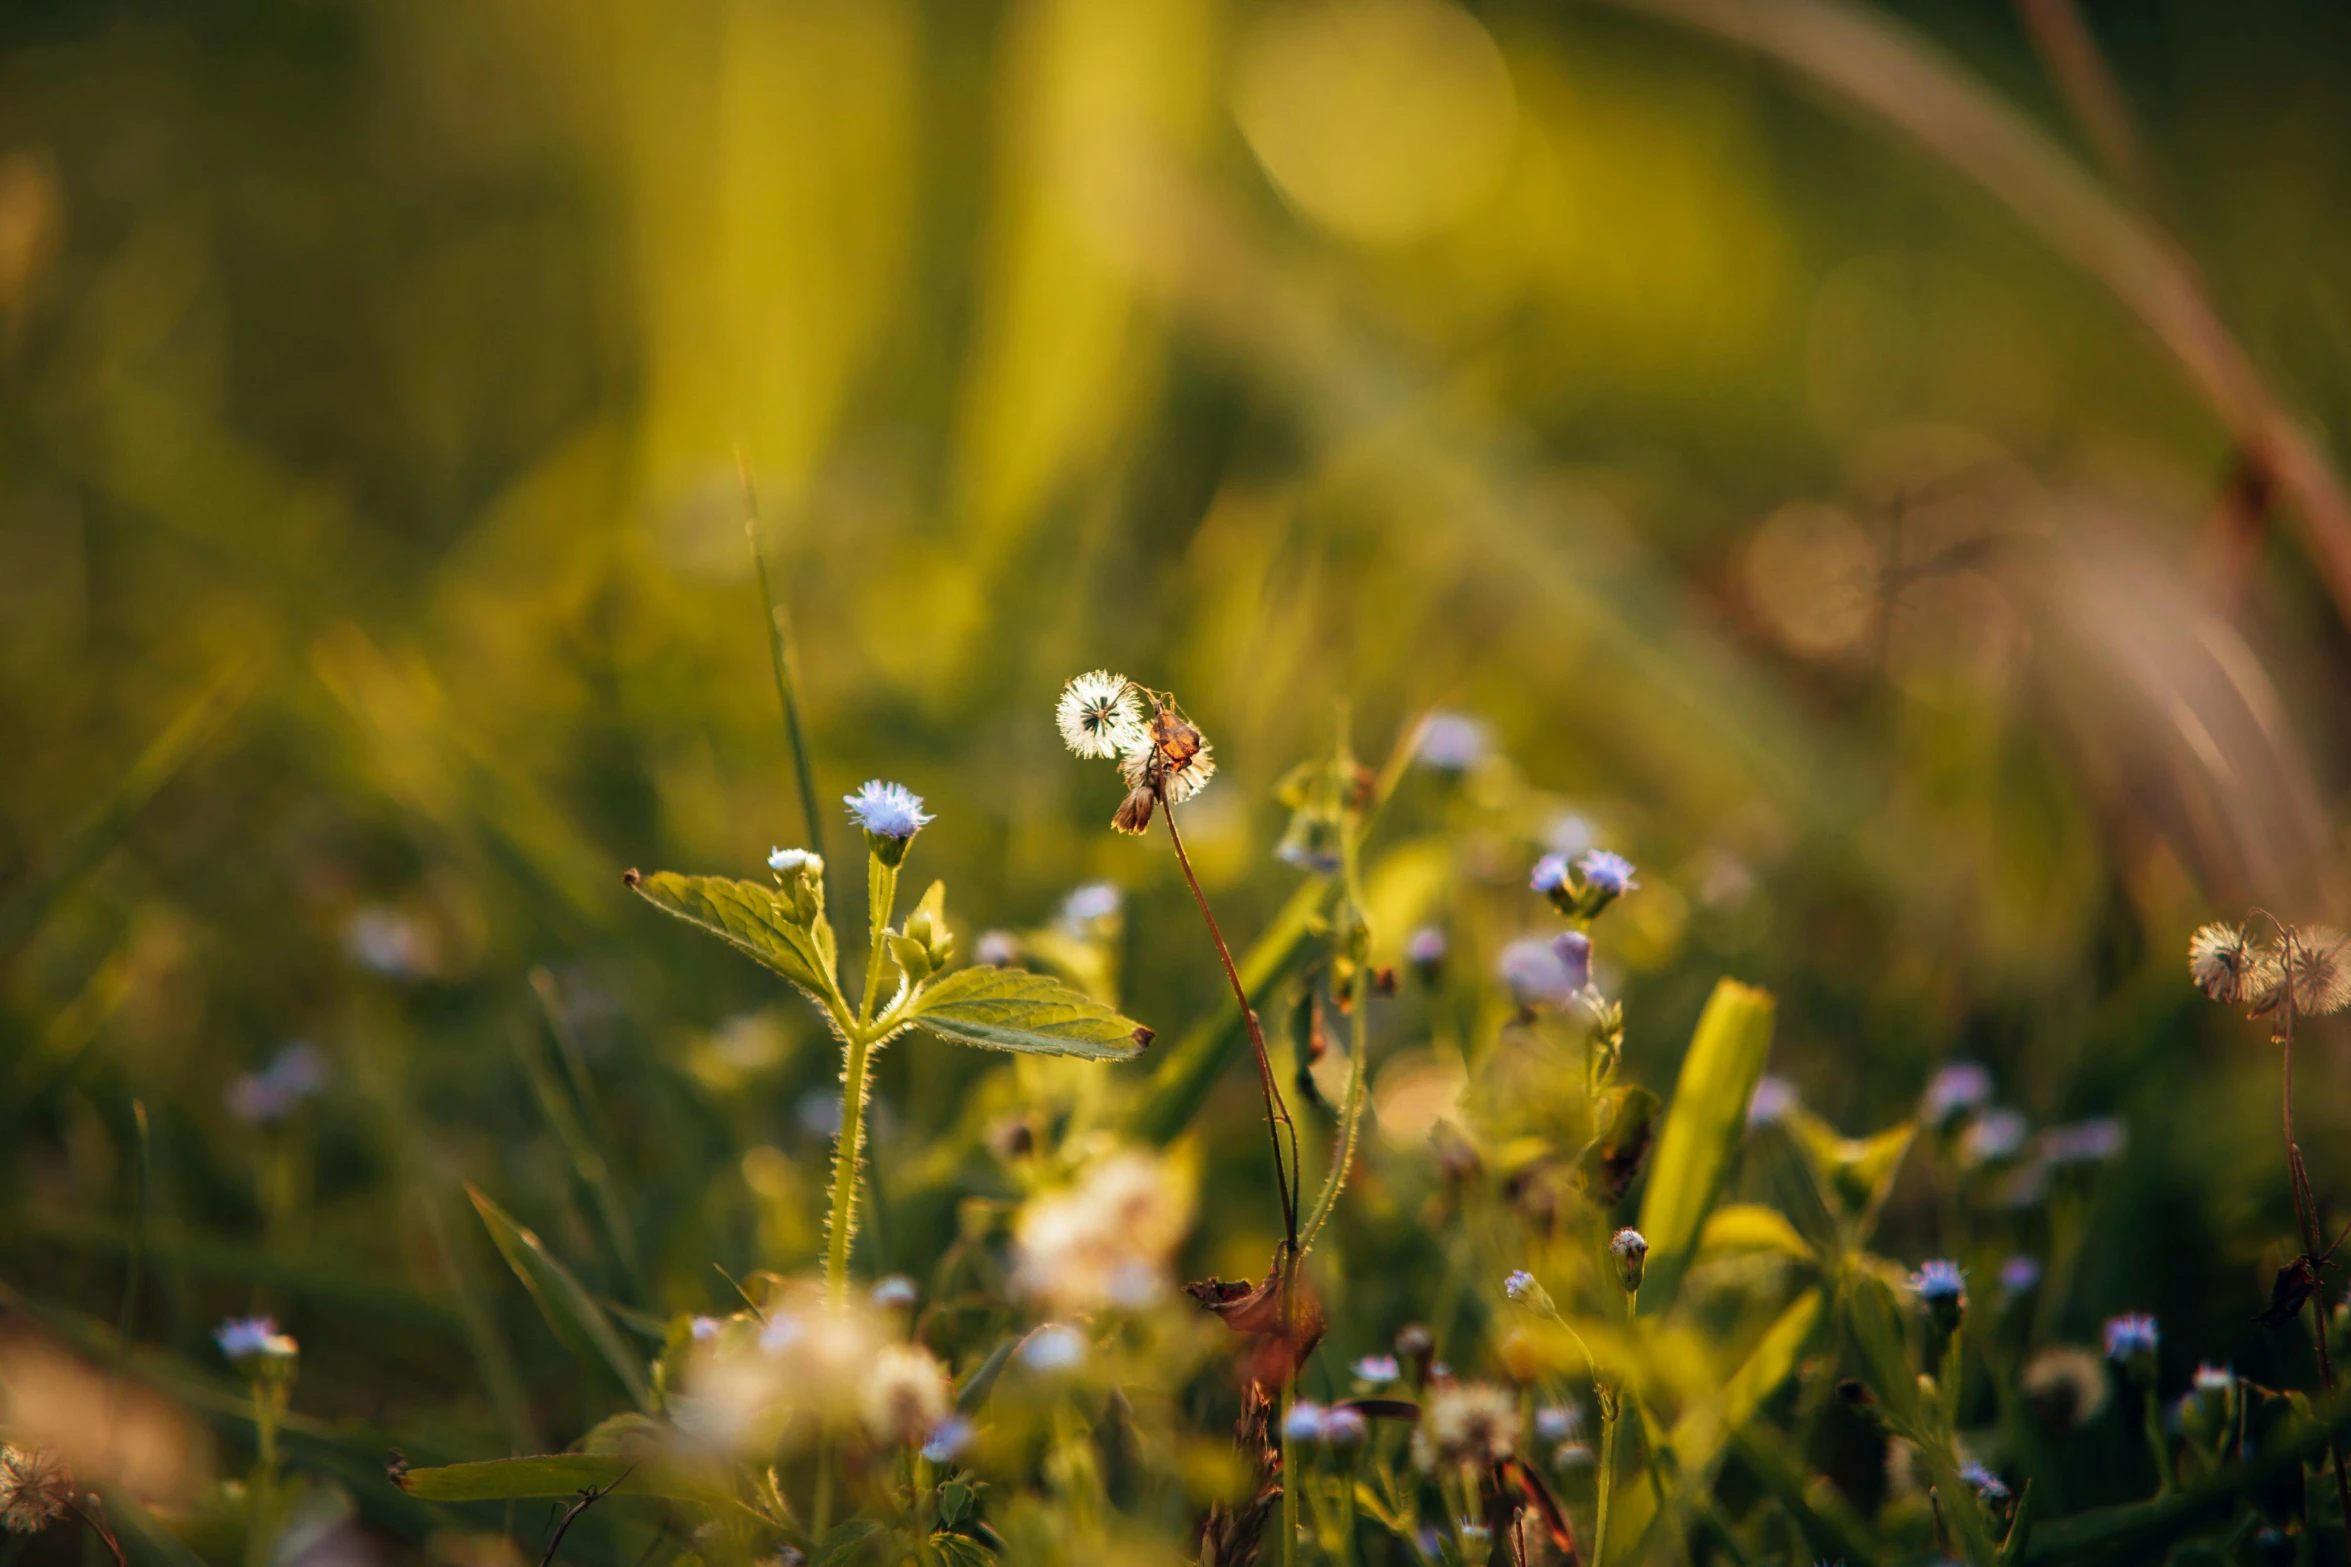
point(1631, 1251)
point(1942, 1289)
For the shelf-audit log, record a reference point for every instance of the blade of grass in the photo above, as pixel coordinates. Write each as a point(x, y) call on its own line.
point(569, 1309)
point(1703, 1125)
point(584, 1150)
point(784, 656)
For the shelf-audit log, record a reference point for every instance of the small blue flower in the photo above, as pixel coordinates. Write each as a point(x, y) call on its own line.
point(1574, 950)
point(2019, 1274)
point(2094, 1141)
point(1993, 1137)
point(1053, 1347)
point(1534, 973)
point(1939, 1279)
point(1987, 1485)
point(2130, 1337)
point(248, 1338)
point(887, 810)
point(1096, 900)
point(1304, 1422)
point(1518, 1284)
point(1378, 1369)
point(704, 1329)
point(1559, 1422)
point(1550, 874)
point(1610, 872)
point(1958, 1089)
point(894, 1293)
point(1774, 1098)
point(2214, 1379)
point(1344, 1427)
point(1451, 742)
point(1426, 947)
point(948, 1438)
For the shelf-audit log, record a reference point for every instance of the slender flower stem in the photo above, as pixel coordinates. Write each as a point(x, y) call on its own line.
point(2166, 1479)
point(2306, 1218)
point(1289, 1521)
point(1358, 1033)
point(1277, 1111)
point(1609, 1414)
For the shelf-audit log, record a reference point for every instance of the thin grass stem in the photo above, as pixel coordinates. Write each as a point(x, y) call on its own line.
point(784, 657)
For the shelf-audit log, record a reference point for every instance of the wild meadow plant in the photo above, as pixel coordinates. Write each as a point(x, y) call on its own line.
point(1608, 1326)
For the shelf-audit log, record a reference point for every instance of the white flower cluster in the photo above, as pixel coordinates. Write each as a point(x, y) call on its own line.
point(805, 1363)
point(1107, 1241)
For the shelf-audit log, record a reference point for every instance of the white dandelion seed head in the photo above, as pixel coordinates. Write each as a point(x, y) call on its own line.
point(36, 1487)
point(2066, 1384)
point(2222, 961)
point(1106, 1241)
point(905, 1394)
point(1466, 1422)
point(1099, 715)
point(2312, 967)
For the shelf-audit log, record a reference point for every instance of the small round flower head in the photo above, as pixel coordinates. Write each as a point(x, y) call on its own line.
point(947, 1439)
point(2066, 1386)
point(1452, 742)
point(791, 862)
point(1956, 1090)
point(1994, 1137)
point(1987, 1485)
point(1305, 1422)
point(887, 810)
point(1608, 872)
point(254, 1340)
point(2223, 962)
point(2312, 969)
point(35, 1488)
point(894, 1293)
point(1631, 1251)
point(996, 949)
point(1089, 905)
point(1425, 948)
point(1344, 1427)
point(905, 1394)
point(1378, 1370)
point(2020, 1274)
point(1518, 1284)
point(1550, 874)
point(2130, 1339)
point(1574, 951)
point(1172, 760)
point(1053, 1347)
point(1572, 1455)
point(1559, 1422)
point(704, 1329)
point(1942, 1289)
point(1465, 1422)
point(296, 1073)
point(1774, 1098)
point(1099, 715)
point(1534, 973)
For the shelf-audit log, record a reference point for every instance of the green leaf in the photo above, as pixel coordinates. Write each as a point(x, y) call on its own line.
point(1744, 1227)
point(755, 920)
point(569, 1309)
point(1702, 1126)
point(1698, 1436)
point(848, 1542)
point(1875, 1319)
point(1012, 1009)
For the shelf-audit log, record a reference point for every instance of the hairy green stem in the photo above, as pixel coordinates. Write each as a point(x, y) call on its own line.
point(860, 1032)
point(1358, 1046)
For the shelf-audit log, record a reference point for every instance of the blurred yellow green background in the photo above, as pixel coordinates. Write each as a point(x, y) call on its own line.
point(374, 586)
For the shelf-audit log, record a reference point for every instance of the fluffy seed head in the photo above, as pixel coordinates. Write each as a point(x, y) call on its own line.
point(1099, 715)
point(905, 1394)
point(2311, 967)
point(2222, 961)
point(1108, 1241)
point(1466, 1422)
point(35, 1488)
point(2065, 1385)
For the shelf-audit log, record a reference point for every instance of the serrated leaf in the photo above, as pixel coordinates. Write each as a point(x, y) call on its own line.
point(1012, 1009)
point(1703, 1125)
point(569, 1309)
point(755, 920)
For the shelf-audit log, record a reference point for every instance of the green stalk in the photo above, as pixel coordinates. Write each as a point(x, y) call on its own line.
point(2167, 1480)
point(1607, 1479)
point(881, 887)
point(1358, 1045)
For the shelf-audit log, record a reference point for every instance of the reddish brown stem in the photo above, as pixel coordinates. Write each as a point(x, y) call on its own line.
point(2306, 1218)
point(1277, 1110)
